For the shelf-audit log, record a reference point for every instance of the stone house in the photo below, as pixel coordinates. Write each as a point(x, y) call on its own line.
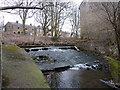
point(16, 28)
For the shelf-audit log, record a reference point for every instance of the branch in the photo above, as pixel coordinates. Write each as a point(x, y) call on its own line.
point(23, 7)
point(20, 7)
point(108, 14)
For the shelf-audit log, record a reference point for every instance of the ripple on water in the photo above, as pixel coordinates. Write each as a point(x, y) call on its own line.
point(77, 76)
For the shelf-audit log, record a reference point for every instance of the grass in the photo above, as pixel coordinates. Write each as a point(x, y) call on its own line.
point(114, 67)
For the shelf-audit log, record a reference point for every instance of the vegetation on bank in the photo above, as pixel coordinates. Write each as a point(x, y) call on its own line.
point(26, 40)
point(114, 66)
point(11, 47)
point(8, 47)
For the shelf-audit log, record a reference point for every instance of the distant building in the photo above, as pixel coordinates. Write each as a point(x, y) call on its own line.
point(16, 28)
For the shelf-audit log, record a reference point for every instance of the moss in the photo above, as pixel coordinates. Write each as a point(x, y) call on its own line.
point(45, 58)
point(48, 59)
point(16, 58)
point(35, 58)
point(114, 67)
point(37, 76)
point(23, 74)
point(11, 47)
point(5, 81)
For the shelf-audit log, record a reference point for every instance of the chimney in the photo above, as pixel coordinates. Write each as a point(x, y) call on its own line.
point(16, 21)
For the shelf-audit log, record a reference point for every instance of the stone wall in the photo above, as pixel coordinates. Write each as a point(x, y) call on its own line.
point(98, 32)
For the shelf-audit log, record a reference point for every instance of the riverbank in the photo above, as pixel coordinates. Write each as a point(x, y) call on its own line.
point(19, 70)
point(28, 40)
point(16, 60)
point(114, 65)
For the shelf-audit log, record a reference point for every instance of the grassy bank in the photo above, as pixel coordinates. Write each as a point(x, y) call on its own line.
point(114, 67)
point(8, 47)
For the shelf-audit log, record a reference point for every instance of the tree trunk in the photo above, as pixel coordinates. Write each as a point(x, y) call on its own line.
point(118, 34)
point(117, 41)
point(35, 33)
point(23, 23)
point(44, 31)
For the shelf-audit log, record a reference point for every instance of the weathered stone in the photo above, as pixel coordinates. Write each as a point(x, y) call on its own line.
point(19, 70)
point(87, 64)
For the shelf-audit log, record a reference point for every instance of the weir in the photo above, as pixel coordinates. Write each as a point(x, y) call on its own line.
point(66, 67)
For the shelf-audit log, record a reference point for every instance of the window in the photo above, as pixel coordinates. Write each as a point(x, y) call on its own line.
point(49, 34)
point(31, 34)
point(14, 32)
point(18, 32)
point(18, 27)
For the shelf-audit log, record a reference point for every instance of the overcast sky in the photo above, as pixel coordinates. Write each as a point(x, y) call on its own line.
point(6, 17)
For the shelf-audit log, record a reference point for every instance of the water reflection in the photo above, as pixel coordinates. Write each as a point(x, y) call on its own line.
point(77, 79)
point(78, 76)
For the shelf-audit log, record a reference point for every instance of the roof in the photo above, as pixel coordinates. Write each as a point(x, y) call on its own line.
point(19, 24)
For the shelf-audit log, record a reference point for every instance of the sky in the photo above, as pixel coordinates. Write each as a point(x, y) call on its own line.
point(6, 17)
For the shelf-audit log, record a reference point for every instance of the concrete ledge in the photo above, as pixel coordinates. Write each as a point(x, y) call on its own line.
point(19, 70)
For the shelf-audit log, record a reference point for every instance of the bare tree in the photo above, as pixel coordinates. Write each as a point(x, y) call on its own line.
point(53, 17)
point(75, 20)
point(118, 29)
point(43, 17)
point(111, 14)
point(24, 8)
point(58, 17)
point(19, 7)
point(25, 13)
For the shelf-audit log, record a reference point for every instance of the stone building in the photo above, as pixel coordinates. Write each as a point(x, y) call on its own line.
point(97, 31)
point(16, 28)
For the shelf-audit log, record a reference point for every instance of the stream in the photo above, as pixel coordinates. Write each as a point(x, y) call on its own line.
point(64, 67)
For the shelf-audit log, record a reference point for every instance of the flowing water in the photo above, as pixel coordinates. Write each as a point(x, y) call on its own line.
point(82, 72)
